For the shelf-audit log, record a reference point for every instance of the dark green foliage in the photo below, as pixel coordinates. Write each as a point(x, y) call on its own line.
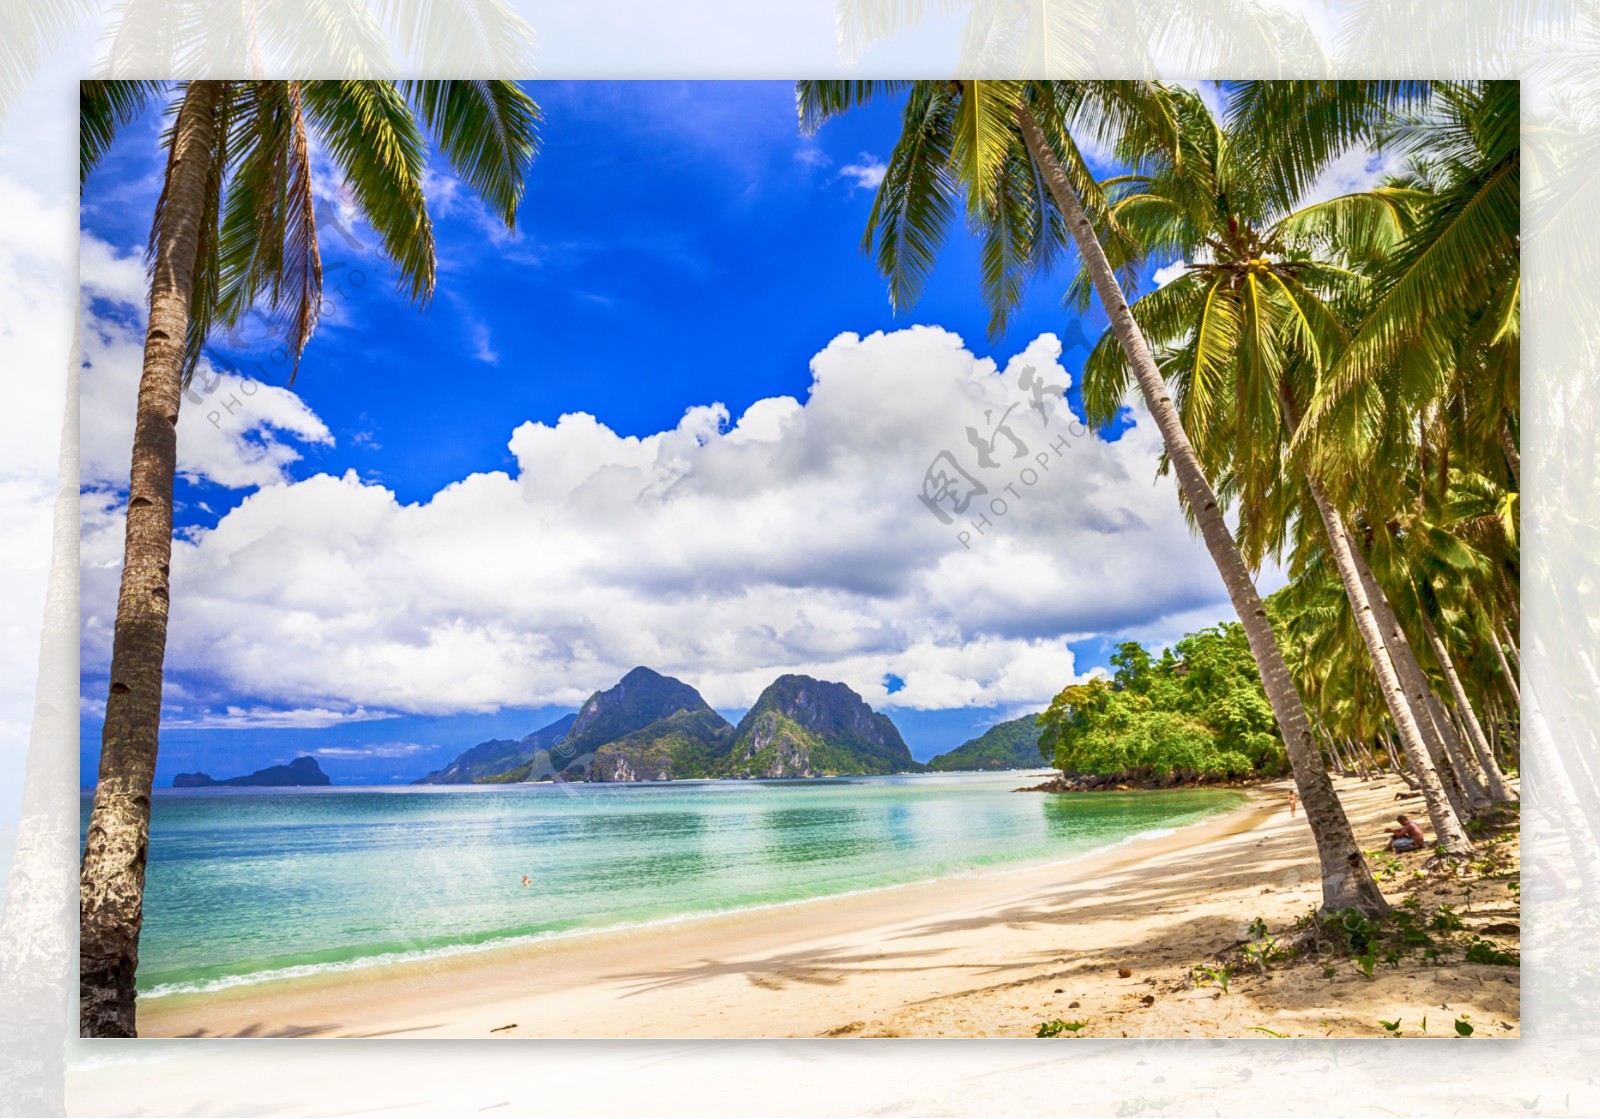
point(1197, 712)
point(1352, 929)
point(1013, 744)
point(1485, 952)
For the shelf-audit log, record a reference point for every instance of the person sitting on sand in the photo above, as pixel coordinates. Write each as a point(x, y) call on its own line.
point(1407, 837)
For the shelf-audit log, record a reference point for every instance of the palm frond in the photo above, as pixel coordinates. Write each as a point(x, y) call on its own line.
point(1293, 130)
point(1021, 235)
point(104, 107)
point(489, 130)
point(983, 134)
point(915, 202)
point(819, 101)
point(370, 132)
point(268, 241)
point(1365, 227)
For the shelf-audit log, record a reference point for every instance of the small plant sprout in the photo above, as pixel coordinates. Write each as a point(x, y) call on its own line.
point(1392, 1027)
point(1218, 975)
point(1058, 1027)
point(1464, 1027)
point(1269, 1033)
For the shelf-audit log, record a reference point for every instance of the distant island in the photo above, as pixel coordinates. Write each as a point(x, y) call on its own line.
point(1013, 744)
point(303, 771)
point(650, 727)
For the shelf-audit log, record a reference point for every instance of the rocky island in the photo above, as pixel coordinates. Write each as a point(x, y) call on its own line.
point(1013, 744)
point(651, 727)
point(303, 771)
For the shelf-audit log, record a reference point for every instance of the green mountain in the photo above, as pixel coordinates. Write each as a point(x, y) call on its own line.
point(800, 727)
point(1010, 745)
point(648, 727)
point(487, 759)
point(684, 744)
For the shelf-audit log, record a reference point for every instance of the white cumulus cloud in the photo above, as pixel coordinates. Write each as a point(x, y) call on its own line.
point(725, 551)
point(234, 431)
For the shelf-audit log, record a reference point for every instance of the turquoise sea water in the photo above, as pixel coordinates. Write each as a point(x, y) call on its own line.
point(254, 884)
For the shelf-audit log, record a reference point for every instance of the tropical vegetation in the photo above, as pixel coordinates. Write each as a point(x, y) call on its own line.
point(1338, 375)
point(1012, 744)
point(1195, 713)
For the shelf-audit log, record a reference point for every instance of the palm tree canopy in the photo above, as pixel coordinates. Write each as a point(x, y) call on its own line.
point(258, 238)
point(961, 149)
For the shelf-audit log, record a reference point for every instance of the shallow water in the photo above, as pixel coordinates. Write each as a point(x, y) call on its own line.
point(252, 884)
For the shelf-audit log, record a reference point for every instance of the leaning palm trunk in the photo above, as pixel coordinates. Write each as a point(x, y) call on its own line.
point(1462, 760)
point(1418, 690)
point(1441, 812)
point(1346, 880)
point(1340, 766)
point(111, 887)
point(1516, 654)
point(1362, 763)
point(1394, 763)
point(1509, 445)
point(1505, 669)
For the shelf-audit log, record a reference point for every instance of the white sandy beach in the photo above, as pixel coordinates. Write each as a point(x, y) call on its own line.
point(983, 955)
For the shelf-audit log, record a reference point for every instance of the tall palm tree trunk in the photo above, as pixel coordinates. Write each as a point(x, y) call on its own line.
point(1442, 814)
point(1505, 668)
point(1332, 748)
point(1496, 726)
point(1346, 880)
point(1509, 445)
point(1418, 690)
point(1462, 760)
point(1516, 654)
point(1394, 763)
point(111, 886)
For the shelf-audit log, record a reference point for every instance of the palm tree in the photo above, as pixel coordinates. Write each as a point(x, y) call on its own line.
point(1243, 333)
point(235, 226)
point(1010, 147)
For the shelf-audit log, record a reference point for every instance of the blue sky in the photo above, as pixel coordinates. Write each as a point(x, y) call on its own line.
point(681, 245)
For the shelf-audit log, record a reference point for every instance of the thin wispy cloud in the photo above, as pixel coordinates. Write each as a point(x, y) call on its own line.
point(482, 347)
point(376, 750)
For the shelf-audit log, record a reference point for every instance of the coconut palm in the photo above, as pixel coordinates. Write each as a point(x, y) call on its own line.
point(1242, 336)
point(1455, 278)
point(234, 228)
point(1011, 149)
